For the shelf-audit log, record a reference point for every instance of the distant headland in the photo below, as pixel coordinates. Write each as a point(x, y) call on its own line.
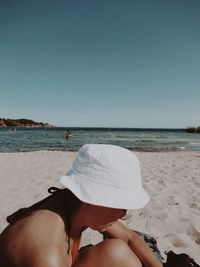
point(23, 123)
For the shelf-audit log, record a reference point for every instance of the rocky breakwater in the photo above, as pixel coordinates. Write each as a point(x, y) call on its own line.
point(193, 130)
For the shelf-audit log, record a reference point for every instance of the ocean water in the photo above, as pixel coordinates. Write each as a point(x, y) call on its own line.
point(22, 140)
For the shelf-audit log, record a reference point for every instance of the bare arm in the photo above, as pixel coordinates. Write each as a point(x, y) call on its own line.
point(134, 241)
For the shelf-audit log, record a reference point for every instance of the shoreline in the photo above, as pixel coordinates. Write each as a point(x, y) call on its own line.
point(171, 178)
point(132, 150)
point(53, 139)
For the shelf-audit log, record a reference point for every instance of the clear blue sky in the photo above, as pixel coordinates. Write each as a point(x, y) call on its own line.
point(130, 63)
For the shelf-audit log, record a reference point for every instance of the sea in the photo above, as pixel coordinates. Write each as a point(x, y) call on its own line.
point(53, 139)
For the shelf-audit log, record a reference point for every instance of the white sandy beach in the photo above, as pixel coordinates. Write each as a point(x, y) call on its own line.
point(172, 179)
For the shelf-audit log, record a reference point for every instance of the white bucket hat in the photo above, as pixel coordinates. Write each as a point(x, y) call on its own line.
point(106, 175)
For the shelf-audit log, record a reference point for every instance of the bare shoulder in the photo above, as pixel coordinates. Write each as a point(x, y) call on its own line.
point(39, 240)
point(34, 255)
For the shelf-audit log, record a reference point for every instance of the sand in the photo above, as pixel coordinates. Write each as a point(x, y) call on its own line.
point(172, 179)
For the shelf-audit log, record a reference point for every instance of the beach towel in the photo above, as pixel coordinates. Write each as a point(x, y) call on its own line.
point(173, 259)
point(152, 243)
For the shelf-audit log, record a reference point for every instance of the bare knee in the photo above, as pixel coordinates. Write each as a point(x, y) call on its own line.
point(119, 252)
point(111, 252)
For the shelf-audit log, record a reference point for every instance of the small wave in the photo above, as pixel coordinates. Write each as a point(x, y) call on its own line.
point(147, 141)
point(194, 143)
point(32, 140)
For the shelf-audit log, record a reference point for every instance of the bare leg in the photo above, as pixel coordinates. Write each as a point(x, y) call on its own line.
point(109, 253)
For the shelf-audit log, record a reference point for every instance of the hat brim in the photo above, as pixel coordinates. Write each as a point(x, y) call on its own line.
point(104, 195)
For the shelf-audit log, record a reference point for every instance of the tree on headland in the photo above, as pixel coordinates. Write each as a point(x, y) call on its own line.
point(22, 123)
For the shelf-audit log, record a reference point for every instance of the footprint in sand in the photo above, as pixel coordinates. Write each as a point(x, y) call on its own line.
point(179, 243)
point(195, 234)
point(194, 206)
point(198, 241)
point(196, 182)
point(162, 182)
